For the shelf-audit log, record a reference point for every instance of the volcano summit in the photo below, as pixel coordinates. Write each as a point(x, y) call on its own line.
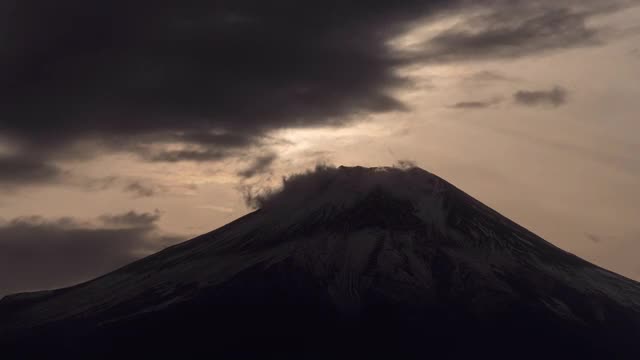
point(343, 263)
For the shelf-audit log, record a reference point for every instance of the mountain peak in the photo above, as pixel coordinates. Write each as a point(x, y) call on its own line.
point(377, 260)
point(342, 186)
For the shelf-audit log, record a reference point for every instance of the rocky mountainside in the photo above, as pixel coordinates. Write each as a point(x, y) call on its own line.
point(343, 263)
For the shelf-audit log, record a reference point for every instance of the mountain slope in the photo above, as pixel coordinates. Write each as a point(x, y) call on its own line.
point(344, 262)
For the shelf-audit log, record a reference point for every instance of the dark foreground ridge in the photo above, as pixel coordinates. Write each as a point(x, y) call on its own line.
point(345, 263)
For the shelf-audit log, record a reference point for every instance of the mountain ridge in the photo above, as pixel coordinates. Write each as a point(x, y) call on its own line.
point(351, 248)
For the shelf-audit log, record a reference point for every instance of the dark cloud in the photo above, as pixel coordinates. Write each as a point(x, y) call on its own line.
point(215, 77)
point(259, 165)
point(330, 183)
point(20, 172)
point(139, 189)
point(554, 97)
point(518, 29)
point(132, 219)
point(594, 238)
point(36, 253)
point(202, 154)
point(23, 170)
point(468, 105)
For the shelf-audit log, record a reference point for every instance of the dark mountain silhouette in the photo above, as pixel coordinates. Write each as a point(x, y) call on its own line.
point(343, 263)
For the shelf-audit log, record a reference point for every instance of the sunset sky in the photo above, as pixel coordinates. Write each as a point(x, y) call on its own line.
point(132, 125)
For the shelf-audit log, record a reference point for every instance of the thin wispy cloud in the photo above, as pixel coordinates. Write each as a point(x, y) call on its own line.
point(476, 105)
point(259, 165)
point(555, 97)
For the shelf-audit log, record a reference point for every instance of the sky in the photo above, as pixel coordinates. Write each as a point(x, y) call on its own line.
point(128, 126)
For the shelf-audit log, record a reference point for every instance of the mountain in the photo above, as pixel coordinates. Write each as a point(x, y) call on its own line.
point(343, 263)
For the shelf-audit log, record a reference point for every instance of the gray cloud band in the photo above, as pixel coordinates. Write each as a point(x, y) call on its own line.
point(38, 253)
